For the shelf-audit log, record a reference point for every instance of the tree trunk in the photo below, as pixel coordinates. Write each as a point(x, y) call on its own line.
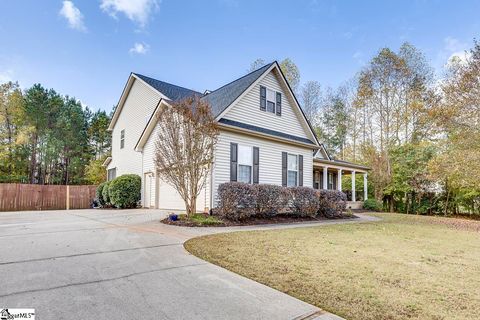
point(407, 203)
point(193, 205)
point(33, 160)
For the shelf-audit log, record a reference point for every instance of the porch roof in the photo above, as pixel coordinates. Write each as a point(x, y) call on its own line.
point(340, 164)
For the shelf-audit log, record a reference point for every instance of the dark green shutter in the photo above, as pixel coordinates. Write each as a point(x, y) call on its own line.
point(284, 169)
point(256, 163)
point(263, 98)
point(233, 161)
point(279, 104)
point(300, 170)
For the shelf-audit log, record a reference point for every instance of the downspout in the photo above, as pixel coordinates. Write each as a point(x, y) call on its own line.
point(143, 184)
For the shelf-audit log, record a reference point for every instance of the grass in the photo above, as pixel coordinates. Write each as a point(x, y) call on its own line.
point(199, 219)
point(403, 267)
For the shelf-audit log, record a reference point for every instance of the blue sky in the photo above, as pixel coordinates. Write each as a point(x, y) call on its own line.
point(87, 48)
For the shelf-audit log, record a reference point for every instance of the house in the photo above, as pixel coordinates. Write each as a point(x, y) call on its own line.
point(264, 138)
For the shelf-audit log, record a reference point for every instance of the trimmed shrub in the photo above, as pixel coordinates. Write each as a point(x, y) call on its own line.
point(99, 193)
point(372, 204)
point(124, 191)
point(332, 203)
point(303, 201)
point(106, 193)
point(271, 199)
point(236, 200)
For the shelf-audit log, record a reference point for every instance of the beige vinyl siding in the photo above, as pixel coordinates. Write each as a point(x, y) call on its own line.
point(270, 167)
point(168, 197)
point(138, 106)
point(247, 110)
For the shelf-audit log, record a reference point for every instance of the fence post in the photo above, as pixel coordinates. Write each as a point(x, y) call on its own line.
point(68, 198)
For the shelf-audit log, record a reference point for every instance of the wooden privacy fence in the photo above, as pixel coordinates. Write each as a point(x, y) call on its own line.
point(16, 196)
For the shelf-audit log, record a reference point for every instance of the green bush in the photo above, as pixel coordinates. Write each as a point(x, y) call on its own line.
point(372, 204)
point(106, 193)
point(124, 191)
point(99, 193)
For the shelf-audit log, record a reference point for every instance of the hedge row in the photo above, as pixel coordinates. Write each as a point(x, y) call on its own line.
point(240, 201)
point(122, 192)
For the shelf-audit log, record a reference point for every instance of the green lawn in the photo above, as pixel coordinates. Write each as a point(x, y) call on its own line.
point(401, 267)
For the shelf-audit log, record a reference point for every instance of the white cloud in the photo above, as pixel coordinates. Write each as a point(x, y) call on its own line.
point(459, 56)
point(138, 11)
point(139, 48)
point(73, 16)
point(454, 50)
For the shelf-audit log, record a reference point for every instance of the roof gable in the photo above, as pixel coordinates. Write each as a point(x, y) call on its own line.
point(245, 108)
point(221, 98)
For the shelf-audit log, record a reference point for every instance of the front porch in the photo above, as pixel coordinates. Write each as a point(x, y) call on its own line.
point(331, 175)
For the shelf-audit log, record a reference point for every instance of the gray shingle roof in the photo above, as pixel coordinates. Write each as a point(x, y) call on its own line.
point(173, 92)
point(265, 130)
point(218, 99)
point(221, 98)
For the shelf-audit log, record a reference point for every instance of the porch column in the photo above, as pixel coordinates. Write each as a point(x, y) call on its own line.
point(325, 178)
point(339, 182)
point(365, 186)
point(353, 186)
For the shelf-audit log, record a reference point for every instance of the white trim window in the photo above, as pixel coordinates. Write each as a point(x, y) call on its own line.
point(122, 139)
point(331, 183)
point(271, 96)
point(292, 170)
point(245, 164)
point(111, 174)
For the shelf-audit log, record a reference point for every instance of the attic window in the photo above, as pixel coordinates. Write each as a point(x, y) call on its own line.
point(270, 101)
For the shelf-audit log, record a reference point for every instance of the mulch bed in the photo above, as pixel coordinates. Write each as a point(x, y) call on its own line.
point(279, 219)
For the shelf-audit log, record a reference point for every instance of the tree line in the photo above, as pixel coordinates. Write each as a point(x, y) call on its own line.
point(49, 138)
point(418, 131)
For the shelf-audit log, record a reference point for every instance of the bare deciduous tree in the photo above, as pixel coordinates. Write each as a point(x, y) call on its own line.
point(187, 134)
point(311, 96)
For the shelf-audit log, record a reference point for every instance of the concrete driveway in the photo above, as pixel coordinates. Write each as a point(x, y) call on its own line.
point(112, 264)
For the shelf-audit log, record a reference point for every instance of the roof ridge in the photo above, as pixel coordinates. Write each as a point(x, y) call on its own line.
point(244, 76)
point(171, 84)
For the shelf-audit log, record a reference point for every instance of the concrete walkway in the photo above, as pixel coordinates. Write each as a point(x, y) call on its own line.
point(126, 265)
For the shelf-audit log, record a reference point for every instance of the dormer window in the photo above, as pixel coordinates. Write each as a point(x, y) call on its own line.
point(270, 101)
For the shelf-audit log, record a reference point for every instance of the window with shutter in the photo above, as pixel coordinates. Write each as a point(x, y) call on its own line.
point(256, 164)
point(292, 170)
point(245, 164)
point(300, 170)
point(279, 104)
point(284, 169)
point(233, 161)
point(263, 98)
point(270, 101)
